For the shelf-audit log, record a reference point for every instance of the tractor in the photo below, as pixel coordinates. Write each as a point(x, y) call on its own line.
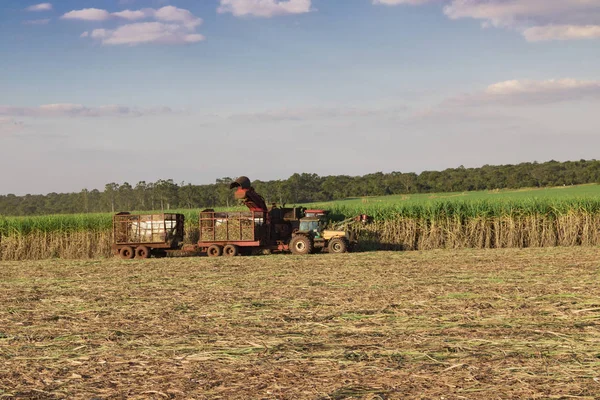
point(313, 236)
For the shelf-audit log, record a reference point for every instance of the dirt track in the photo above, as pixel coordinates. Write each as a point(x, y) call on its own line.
point(504, 324)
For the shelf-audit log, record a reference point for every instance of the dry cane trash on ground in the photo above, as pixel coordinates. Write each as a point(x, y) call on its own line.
point(453, 324)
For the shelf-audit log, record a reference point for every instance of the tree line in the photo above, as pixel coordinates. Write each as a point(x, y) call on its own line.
point(302, 188)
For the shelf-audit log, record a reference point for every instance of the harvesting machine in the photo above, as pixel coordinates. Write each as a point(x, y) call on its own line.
point(261, 229)
point(274, 228)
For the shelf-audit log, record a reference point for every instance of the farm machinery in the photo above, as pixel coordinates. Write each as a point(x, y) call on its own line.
point(261, 229)
point(314, 236)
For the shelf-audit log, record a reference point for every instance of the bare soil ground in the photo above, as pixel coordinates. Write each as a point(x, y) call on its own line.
point(485, 324)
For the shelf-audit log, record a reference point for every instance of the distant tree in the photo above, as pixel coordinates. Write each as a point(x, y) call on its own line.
point(110, 194)
point(188, 195)
point(141, 195)
point(303, 187)
point(125, 196)
point(166, 192)
point(223, 193)
point(85, 202)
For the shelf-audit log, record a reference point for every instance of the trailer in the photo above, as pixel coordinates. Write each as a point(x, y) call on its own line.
point(239, 233)
point(145, 235)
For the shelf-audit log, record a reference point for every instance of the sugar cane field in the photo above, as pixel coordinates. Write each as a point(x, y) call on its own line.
point(505, 219)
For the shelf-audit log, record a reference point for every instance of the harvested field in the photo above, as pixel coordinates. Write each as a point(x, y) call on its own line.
point(454, 324)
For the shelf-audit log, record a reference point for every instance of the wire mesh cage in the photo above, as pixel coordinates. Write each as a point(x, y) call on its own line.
point(230, 227)
point(148, 228)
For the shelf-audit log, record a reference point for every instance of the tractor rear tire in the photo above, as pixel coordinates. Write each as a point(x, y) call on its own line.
point(214, 251)
point(231, 250)
point(126, 253)
point(142, 252)
point(338, 245)
point(301, 245)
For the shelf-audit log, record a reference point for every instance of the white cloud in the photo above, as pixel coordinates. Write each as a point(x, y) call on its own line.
point(264, 8)
point(514, 12)
point(397, 2)
point(164, 14)
point(531, 92)
point(98, 34)
point(537, 20)
point(561, 32)
point(10, 125)
point(131, 15)
point(147, 32)
point(44, 21)
point(174, 14)
point(40, 7)
point(318, 113)
point(88, 14)
point(171, 25)
point(79, 110)
point(61, 108)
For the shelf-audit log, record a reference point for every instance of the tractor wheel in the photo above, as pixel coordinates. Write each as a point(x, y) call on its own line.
point(214, 251)
point(142, 252)
point(126, 253)
point(338, 245)
point(301, 244)
point(231, 250)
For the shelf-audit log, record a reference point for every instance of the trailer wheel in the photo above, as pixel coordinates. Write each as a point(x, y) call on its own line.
point(214, 251)
point(231, 250)
point(301, 244)
point(126, 252)
point(338, 245)
point(142, 252)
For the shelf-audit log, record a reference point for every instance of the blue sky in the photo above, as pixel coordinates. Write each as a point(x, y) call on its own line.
point(98, 91)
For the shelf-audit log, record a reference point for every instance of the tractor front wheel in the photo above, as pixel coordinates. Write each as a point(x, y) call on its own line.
point(301, 244)
point(338, 245)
